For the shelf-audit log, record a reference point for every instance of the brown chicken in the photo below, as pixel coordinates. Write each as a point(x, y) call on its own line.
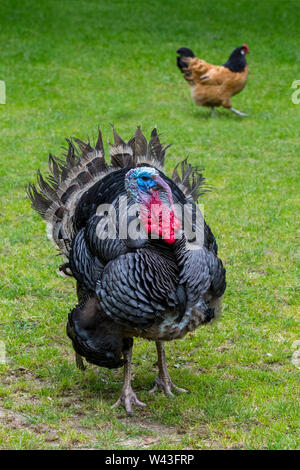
point(214, 85)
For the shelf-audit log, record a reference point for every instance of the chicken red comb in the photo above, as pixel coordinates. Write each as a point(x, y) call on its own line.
point(246, 48)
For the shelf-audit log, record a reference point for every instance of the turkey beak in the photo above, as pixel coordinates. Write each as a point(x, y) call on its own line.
point(161, 185)
point(158, 187)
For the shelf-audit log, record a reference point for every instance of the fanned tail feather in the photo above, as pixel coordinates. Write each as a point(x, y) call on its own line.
point(121, 154)
point(191, 181)
point(55, 197)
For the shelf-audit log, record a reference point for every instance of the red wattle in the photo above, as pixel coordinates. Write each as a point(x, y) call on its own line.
point(158, 218)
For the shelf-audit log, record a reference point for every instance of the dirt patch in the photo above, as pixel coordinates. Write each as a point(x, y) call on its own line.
point(16, 420)
point(139, 432)
point(158, 431)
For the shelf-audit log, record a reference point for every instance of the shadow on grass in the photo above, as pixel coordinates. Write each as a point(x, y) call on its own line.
point(102, 387)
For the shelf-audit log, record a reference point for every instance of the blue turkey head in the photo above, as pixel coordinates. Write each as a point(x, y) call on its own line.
point(142, 182)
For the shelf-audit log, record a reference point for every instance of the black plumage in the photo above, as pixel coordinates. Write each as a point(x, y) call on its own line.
point(237, 61)
point(158, 289)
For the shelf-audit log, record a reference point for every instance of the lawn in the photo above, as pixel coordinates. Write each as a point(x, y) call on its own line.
point(69, 66)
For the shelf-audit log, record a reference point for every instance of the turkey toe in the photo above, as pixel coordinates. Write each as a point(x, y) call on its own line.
point(127, 399)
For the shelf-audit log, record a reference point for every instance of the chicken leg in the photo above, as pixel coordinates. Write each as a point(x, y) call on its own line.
point(236, 111)
point(128, 397)
point(163, 380)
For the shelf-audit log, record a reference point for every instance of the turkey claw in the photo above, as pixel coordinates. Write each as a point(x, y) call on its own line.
point(127, 399)
point(167, 386)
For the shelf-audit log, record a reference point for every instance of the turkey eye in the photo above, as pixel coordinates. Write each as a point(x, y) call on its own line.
point(145, 178)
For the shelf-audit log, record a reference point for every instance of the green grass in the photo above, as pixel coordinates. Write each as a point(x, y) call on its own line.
point(69, 66)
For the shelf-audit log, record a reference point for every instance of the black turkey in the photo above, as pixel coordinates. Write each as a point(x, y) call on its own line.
point(143, 257)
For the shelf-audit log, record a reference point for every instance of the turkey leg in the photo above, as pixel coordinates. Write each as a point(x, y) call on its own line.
point(79, 362)
point(128, 397)
point(163, 380)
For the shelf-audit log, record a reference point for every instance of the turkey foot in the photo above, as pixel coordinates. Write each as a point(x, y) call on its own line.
point(128, 396)
point(166, 384)
point(163, 380)
point(127, 399)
